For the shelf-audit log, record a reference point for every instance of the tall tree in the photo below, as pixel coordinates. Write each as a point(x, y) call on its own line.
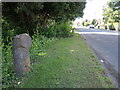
point(111, 12)
point(28, 14)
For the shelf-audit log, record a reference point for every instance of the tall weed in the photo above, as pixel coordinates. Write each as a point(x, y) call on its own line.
point(39, 43)
point(7, 65)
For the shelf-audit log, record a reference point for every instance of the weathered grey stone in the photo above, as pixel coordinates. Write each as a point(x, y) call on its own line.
point(21, 44)
point(22, 40)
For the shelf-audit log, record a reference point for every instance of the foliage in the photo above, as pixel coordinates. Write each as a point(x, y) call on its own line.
point(94, 22)
point(111, 12)
point(86, 23)
point(7, 65)
point(111, 27)
point(9, 29)
point(27, 15)
point(58, 30)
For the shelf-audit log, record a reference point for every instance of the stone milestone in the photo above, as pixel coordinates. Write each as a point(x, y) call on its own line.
point(21, 45)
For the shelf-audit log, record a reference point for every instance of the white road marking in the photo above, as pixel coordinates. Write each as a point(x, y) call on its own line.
point(106, 33)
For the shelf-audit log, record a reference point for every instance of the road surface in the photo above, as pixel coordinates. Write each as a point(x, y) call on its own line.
point(104, 43)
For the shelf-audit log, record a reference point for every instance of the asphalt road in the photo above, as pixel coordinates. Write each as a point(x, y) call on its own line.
point(104, 43)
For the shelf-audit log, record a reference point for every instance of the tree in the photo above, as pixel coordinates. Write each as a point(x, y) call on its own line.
point(94, 22)
point(110, 14)
point(86, 22)
point(27, 15)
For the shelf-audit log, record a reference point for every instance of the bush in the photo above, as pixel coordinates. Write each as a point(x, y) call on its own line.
point(8, 75)
point(9, 29)
point(63, 30)
point(56, 30)
point(111, 27)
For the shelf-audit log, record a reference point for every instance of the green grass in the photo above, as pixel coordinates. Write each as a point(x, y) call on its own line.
point(66, 63)
point(0, 58)
point(0, 75)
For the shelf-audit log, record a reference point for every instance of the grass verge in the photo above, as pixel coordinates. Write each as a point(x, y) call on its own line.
point(66, 63)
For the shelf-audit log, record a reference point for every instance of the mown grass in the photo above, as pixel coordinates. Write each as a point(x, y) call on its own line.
point(66, 63)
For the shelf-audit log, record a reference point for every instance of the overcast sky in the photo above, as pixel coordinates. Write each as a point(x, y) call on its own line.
point(94, 9)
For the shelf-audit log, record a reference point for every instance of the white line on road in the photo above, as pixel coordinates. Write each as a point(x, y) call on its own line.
point(106, 33)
